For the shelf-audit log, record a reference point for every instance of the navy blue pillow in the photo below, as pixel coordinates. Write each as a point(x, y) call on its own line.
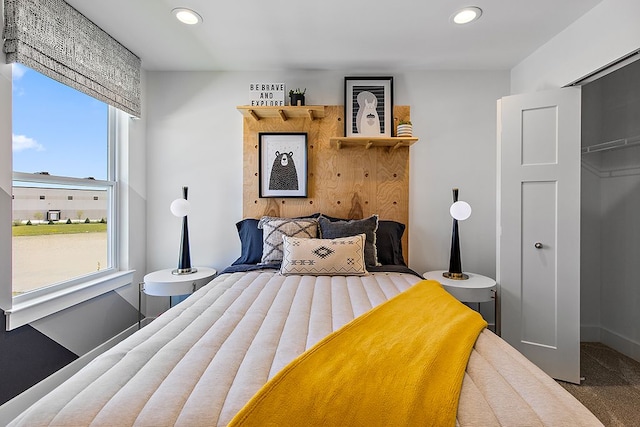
point(250, 242)
point(389, 242)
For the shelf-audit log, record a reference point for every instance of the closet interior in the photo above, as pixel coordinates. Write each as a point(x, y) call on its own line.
point(610, 211)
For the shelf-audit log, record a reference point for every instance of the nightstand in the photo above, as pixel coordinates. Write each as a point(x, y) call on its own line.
point(163, 283)
point(476, 288)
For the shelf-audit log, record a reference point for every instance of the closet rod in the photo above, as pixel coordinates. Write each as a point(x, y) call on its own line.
point(610, 145)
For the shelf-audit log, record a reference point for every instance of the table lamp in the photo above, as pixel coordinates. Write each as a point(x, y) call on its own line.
point(180, 208)
point(460, 211)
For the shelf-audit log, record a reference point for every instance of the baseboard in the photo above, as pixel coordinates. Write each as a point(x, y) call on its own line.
point(612, 339)
point(17, 405)
point(622, 344)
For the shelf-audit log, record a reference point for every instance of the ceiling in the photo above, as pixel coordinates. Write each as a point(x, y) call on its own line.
point(332, 34)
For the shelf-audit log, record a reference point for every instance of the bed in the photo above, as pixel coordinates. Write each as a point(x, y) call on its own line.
point(201, 362)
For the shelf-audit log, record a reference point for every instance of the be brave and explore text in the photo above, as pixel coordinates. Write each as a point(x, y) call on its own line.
point(267, 94)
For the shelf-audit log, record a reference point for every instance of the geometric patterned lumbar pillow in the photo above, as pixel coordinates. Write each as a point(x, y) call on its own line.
point(343, 256)
point(274, 228)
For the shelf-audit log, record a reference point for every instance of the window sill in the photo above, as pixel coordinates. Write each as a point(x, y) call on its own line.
point(25, 312)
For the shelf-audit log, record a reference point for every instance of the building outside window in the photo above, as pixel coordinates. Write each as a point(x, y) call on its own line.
point(63, 161)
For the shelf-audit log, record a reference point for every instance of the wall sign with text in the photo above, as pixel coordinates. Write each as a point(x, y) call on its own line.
point(266, 94)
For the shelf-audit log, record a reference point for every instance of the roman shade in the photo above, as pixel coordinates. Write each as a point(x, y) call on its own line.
point(56, 40)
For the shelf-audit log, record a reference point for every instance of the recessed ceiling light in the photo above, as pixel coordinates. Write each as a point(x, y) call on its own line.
point(466, 15)
point(187, 16)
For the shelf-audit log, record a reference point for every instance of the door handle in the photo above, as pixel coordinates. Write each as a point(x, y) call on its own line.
point(538, 245)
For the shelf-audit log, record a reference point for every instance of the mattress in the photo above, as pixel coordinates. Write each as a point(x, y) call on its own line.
point(201, 361)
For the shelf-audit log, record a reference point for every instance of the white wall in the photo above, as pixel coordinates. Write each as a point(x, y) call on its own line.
point(611, 250)
point(590, 215)
point(132, 163)
point(620, 294)
point(454, 114)
point(195, 139)
point(591, 255)
point(606, 33)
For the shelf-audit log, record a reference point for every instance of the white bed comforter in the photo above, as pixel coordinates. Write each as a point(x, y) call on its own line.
point(201, 361)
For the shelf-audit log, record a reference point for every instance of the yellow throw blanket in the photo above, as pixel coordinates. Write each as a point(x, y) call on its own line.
point(400, 364)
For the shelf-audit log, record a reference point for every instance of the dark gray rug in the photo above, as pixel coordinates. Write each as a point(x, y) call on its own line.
point(611, 388)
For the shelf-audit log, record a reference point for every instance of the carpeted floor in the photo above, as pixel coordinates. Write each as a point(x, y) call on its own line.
point(611, 388)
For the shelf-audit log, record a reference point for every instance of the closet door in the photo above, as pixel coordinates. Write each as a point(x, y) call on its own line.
point(539, 228)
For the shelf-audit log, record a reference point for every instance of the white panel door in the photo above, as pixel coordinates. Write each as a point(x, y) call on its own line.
point(539, 228)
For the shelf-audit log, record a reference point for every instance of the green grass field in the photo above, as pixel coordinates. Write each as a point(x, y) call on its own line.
point(42, 229)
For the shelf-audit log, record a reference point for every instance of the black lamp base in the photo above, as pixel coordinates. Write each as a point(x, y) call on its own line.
point(455, 276)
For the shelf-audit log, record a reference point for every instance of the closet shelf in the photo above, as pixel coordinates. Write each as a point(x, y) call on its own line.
point(283, 112)
point(610, 145)
point(367, 142)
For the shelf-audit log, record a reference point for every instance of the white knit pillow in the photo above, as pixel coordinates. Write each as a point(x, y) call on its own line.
point(274, 228)
point(343, 256)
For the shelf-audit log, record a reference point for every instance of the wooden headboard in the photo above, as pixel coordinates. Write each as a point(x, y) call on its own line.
point(344, 180)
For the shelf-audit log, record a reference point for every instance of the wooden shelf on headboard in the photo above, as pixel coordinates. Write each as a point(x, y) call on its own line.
point(369, 142)
point(283, 112)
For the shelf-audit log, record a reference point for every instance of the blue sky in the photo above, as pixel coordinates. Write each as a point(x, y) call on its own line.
point(56, 128)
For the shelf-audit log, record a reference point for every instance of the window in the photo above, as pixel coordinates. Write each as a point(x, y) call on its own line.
point(61, 136)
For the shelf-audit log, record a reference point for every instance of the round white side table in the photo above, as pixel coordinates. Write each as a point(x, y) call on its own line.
point(476, 288)
point(163, 283)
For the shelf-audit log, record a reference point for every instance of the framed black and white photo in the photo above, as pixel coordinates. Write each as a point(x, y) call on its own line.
point(282, 164)
point(368, 106)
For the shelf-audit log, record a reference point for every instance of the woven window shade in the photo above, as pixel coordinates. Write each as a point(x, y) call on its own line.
point(56, 40)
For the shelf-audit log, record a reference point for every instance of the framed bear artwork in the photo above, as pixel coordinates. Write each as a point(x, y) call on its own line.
point(282, 164)
point(368, 106)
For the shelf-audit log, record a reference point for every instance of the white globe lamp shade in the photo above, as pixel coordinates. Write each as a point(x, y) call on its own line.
point(460, 210)
point(180, 207)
